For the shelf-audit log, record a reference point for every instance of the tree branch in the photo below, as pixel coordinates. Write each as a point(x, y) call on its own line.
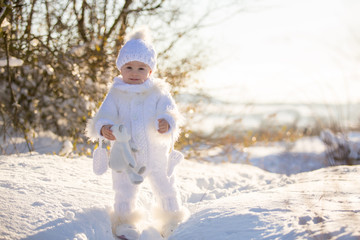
point(5, 10)
point(81, 20)
point(150, 9)
point(123, 17)
point(48, 22)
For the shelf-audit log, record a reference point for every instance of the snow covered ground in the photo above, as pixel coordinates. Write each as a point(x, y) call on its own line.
point(273, 192)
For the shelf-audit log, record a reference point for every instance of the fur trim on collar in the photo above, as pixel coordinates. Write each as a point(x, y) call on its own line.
point(148, 85)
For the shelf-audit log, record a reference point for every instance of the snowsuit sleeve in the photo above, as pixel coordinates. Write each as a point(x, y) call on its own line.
point(107, 114)
point(167, 109)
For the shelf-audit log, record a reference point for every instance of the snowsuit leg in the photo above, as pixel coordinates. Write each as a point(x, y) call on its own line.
point(125, 194)
point(170, 213)
point(165, 190)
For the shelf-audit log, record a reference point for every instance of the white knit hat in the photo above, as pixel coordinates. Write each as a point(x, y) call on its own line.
point(138, 48)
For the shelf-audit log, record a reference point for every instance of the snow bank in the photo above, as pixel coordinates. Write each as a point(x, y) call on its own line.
point(52, 197)
point(323, 204)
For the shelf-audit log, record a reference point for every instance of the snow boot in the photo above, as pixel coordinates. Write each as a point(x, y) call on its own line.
point(125, 226)
point(167, 222)
point(150, 233)
point(127, 232)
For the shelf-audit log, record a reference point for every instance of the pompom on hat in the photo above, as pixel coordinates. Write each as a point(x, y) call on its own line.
point(138, 48)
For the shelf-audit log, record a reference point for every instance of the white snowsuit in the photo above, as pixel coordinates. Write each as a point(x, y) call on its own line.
point(139, 107)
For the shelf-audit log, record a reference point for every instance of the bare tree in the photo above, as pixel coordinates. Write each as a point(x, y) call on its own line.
point(69, 49)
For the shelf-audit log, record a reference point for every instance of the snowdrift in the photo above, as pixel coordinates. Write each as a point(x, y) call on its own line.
point(52, 197)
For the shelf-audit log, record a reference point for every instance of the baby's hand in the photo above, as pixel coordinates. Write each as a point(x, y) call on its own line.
point(107, 133)
point(163, 126)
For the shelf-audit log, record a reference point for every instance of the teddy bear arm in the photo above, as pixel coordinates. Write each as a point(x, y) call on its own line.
point(133, 147)
point(128, 156)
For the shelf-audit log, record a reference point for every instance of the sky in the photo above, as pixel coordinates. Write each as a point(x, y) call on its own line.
point(293, 51)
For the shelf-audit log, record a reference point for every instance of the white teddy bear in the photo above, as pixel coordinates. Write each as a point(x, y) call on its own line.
point(121, 158)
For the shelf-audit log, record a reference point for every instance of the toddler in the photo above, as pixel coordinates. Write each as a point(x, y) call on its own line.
point(144, 106)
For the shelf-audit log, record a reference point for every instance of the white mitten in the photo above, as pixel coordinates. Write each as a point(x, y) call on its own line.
point(175, 158)
point(100, 160)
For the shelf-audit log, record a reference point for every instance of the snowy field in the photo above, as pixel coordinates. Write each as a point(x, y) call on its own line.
point(272, 192)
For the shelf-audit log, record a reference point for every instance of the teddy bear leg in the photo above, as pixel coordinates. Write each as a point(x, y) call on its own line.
point(141, 170)
point(134, 177)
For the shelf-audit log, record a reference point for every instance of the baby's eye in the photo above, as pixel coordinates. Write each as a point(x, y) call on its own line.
point(141, 69)
point(128, 67)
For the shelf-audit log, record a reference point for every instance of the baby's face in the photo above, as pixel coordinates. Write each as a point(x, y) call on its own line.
point(135, 72)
